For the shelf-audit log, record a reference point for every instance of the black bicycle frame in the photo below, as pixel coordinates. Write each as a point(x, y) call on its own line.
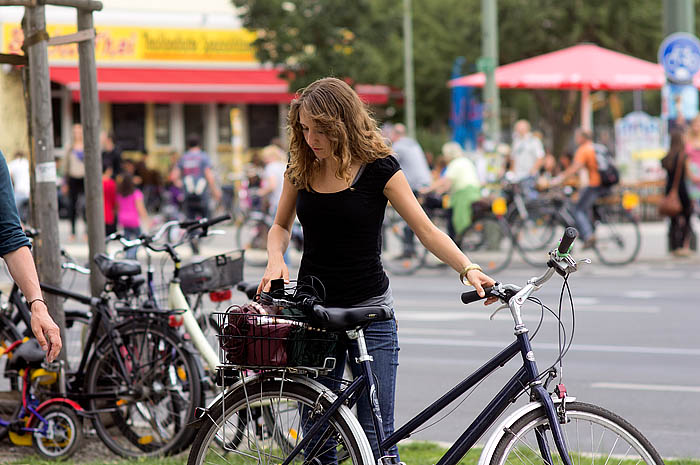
point(525, 377)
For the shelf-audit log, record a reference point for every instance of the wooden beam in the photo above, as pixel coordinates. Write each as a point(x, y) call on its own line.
point(79, 36)
point(12, 59)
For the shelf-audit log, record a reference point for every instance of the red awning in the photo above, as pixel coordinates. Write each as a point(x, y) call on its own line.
point(192, 85)
point(578, 67)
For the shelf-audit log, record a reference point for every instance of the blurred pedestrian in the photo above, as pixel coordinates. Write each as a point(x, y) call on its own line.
point(526, 156)
point(74, 178)
point(111, 154)
point(415, 167)
point(692, 150)
point(194, 175)
point(675, 163)
point(14, 249)
point(109, 198)
point(131, 211)
point(273, 176)
point(19, 172)
point(461, 182)
point(584, 159)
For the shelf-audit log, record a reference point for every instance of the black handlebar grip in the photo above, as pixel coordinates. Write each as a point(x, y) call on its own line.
point(472, 296)
point(205, 224)
point(567, 239)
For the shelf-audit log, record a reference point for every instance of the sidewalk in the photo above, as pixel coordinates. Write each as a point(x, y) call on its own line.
point(653, 248)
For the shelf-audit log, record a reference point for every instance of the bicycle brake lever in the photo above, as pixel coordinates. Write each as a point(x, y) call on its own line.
point(504, 306)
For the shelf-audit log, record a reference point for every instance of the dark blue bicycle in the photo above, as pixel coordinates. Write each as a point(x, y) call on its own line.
point(311, 424)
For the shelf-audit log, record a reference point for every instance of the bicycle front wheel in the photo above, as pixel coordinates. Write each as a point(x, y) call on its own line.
point(617, 236)
point(592, 434)
point(232, 433)
point(146, 410)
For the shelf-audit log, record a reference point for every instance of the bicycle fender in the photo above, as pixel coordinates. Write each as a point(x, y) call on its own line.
point(56, 400)
point(506, 424)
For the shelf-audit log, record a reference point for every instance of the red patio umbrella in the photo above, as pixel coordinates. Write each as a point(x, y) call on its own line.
point(583, 67)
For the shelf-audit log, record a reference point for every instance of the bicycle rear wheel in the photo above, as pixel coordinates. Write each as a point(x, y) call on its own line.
point(147, 412)
point(592, 434)
point(488, 242)
point(398, 257)
point(251, 236)
point(291, 409)
point(617, 236)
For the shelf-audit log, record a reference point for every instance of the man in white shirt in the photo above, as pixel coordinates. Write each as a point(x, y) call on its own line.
point(527, 153)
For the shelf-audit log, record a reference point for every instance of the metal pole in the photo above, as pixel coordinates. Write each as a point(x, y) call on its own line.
point(489, 31)
point(44, 198)
point(90, 119)
point(409, 87)
point(678, 16)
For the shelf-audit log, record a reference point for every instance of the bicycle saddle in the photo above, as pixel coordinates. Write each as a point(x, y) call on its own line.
point(114, 269)
point(343, 319)
point(27, 354)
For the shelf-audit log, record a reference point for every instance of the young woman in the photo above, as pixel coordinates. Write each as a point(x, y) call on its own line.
point(680, 230)
point(340, 176)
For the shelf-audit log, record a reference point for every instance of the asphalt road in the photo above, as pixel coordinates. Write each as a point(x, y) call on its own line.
point(635, 349)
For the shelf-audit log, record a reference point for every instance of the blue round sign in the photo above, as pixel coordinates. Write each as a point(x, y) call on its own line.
point(679, 54)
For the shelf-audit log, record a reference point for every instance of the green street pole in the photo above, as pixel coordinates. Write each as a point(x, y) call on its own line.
point(489, 37)
point(409, 88)
point(679, 16)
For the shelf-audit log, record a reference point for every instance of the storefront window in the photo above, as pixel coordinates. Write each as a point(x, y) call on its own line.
point(223, 119)
point(263, 124)
point(129, 121)
point(162, 123)
point(56, 114)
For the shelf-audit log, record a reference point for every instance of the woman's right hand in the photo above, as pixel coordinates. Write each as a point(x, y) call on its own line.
point(275, 269)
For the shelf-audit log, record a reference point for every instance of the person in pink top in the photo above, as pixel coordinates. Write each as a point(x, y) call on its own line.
point(692, 149)
point(131, 210)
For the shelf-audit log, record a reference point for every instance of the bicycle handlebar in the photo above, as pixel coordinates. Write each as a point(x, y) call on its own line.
point(566, 240)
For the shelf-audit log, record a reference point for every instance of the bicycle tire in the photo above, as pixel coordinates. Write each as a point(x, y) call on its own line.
point(534, 237)
point(616, 242)
point(256, 446)
point(605, 433)
point(488, 242)
point(395, 258)
point(64, 435)
point(166, 390)
point(250, 238)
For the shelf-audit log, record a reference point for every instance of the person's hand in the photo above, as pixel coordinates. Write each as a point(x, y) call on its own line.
point(276, 269)
point(479, 280)
point(46, 331)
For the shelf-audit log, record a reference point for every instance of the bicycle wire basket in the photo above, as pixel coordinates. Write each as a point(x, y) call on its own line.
point(251, 339)
point(214, 273)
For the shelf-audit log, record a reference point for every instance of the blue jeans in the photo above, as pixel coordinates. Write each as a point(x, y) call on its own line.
point(132, 233)
point(383, 345)
point(583, 211)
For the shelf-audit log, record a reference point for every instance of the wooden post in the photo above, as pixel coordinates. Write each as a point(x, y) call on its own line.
point(44, 198)
point(90, 119)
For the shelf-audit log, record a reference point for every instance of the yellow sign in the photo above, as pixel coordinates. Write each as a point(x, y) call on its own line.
point(134, 44)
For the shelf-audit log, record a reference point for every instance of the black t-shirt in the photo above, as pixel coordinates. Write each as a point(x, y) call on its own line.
point(343, 236)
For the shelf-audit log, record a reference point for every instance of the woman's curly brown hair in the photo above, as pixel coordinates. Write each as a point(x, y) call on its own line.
point(337, 110)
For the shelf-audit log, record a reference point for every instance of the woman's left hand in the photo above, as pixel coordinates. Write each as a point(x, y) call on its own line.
point(479, 280)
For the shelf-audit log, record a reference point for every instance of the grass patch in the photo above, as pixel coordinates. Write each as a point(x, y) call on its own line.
point(412, 453)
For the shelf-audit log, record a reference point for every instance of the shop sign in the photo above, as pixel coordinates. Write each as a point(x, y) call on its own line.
point(134, 44)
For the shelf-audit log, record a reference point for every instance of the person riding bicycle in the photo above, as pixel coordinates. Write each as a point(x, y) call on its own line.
point(584, 158)
point(461, 181)
point(340, 176)
point(14, 248)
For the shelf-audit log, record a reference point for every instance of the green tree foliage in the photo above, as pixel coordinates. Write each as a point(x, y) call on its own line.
point(361, 40)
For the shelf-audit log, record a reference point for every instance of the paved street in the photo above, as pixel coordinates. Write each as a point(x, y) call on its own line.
point(636, 350)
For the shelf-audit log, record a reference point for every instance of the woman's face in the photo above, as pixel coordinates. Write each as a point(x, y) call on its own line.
point(315, 138)
point(695, 125)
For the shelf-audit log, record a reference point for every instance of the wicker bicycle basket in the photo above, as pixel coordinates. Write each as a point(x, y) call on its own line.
point(253, 340)
point(213, 273)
